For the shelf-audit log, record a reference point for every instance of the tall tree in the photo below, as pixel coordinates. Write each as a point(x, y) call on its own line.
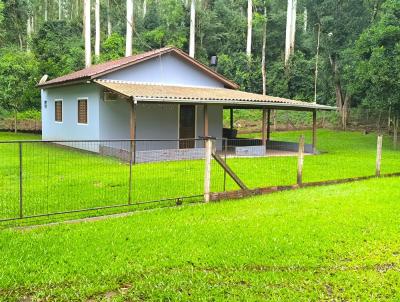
point(264, 52)
point(249, 26)
point(290, 29)
point(192, 28)
point(129, 28)
point(97, 30)
point(289, 20)
point(109, 26)
point(87, 33)
point(45, 11)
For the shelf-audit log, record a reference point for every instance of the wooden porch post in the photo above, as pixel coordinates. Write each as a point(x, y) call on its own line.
point(268, 125)
point(314, 132)
point(231, 117)
point(133, 120)
point(205, 120)
point(263, 125)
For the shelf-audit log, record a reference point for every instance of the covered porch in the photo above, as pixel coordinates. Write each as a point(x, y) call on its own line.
point(205, 101)
point(236, 144)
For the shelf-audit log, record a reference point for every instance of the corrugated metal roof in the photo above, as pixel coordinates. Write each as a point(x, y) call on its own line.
point(98, 70)
point(182, 94)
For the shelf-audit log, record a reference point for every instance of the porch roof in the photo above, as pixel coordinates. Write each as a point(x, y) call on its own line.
point(230, 98)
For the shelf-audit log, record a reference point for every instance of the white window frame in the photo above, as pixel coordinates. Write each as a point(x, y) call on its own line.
point(87, 111)
point(62, 111)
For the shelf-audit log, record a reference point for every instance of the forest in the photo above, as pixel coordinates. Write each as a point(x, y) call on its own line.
point(341, 53)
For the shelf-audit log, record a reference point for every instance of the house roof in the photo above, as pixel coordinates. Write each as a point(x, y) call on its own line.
point(99, 70)
point(197, 95)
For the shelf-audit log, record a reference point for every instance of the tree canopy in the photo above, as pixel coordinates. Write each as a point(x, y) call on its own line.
point(359, 43)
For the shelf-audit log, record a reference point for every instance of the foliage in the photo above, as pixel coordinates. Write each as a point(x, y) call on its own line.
point(376, 58)
point(112, 48)
point(221, 27)
point(58, 47)
point(159, 29)
point(19, 74)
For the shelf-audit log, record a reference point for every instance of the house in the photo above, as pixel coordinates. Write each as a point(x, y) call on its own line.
point(160, 97)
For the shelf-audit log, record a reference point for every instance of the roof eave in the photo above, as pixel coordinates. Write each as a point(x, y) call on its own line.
point(63, 83)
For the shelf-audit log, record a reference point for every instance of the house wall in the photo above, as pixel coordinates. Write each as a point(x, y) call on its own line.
point(154, 122)
point(69, 129)
point(166, 69)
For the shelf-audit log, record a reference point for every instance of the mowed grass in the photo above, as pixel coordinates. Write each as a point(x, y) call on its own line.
point(57, 179)
point(336, 243)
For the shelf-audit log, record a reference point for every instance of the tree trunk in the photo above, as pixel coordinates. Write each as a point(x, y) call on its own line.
point(316, 64)
point(293, 27)
point(129, 27)
point(109, 28)
point(395, 131)
point(28, 33)
point(288, 30)
point(305, 16)
point(192, 28)
point(45, 11)
point(263, 53)
point(341, 100)
point(97, 28)
point(249, 26)
point(16, 121)
point(144, 8)
point(86, 25)
point(59, 9)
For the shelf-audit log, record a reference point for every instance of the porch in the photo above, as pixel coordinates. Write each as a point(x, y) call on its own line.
point(192, 99)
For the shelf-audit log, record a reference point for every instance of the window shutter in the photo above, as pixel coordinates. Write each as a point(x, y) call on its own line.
point(58, 111)
point(82, 111)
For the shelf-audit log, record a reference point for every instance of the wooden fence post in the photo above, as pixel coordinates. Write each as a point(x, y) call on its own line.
point(207, 169)
point(379, 156)
point(300, 161)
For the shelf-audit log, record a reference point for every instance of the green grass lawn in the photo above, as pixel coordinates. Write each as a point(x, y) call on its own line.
point(335, 243)
point(57, 179)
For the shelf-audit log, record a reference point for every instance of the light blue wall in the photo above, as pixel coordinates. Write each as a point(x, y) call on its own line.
point(69, 129)
point(154, 122)
point(167, 69)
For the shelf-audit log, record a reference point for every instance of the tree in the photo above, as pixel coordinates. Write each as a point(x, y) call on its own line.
point(86, 27)
point(97, 30)
point(19, 73)
point(373, 68)
point(129, 27)
point(290, 29)
point(58, 47)
point(192, 28)
point(249, 26)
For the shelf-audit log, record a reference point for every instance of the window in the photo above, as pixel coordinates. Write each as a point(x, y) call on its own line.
point(58, 111)
point(82, 111)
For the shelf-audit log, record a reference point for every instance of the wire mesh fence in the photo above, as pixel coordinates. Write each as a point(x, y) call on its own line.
point(42, 178)
point(46, 178)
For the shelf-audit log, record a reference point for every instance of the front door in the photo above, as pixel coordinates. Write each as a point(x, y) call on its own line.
point(187, 126)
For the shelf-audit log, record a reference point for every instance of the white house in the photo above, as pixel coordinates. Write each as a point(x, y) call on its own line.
point(162, 95)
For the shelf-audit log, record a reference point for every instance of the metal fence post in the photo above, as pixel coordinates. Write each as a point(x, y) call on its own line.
point(300, 161)
point(207, 169)
point(225, 151)
point(379, 155)
point(130, 171)
point(21, 210)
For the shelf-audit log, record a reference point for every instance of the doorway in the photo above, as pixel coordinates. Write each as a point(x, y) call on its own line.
point(187, 126)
